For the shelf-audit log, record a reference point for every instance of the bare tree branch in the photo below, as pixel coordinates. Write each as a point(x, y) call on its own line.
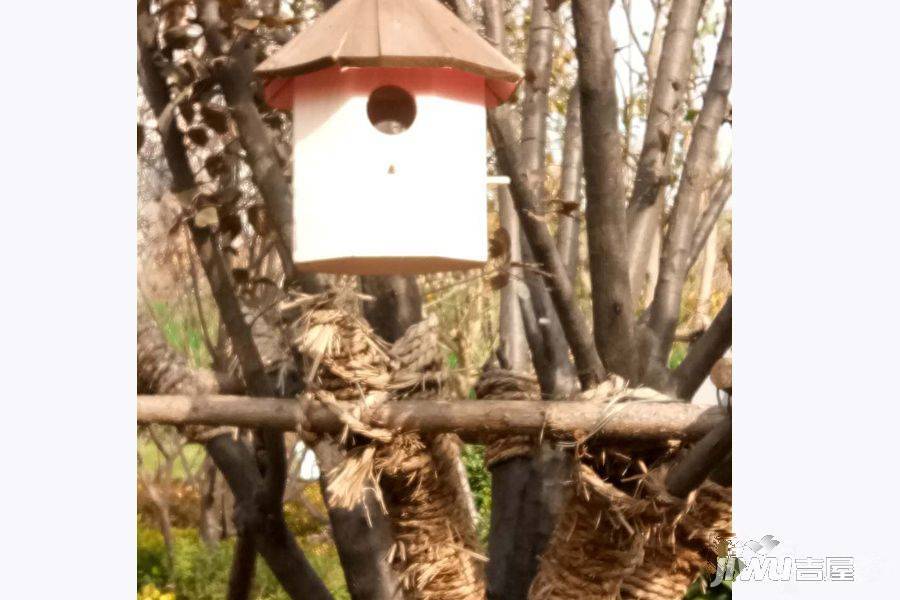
point(494, 27)
point(253, 371)
point(699, 460)
point(235, 76)
point(652, 177)
point(710, 217)
point(587, 361)
point(570, 185)
point(664, 310)
point(703, 354)
point(605, 191)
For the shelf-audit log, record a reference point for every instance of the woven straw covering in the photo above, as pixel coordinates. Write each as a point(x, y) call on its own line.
point(595, 545)
point(436, 550)
point(623, 536)
point(501, 384)
point(674, 558)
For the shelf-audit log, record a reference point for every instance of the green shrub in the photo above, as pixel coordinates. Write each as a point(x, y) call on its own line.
point(152, 564)
point(480, 483)
point(199, 573)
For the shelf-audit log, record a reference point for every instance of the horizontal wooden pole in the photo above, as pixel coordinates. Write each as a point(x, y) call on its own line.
point(473, 420)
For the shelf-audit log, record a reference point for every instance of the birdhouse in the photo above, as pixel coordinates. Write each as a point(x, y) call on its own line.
point(389, 100)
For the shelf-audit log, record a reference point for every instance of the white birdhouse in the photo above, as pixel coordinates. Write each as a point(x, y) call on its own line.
point(389, 100)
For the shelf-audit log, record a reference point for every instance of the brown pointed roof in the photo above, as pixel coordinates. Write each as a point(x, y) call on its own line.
point(393, 33)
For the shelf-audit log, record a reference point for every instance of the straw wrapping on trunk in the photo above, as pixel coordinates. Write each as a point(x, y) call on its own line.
point(415, 477)
point(622, 535)
point(502, 384)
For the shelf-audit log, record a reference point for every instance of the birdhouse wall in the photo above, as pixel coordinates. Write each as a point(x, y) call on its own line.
point(371, 202)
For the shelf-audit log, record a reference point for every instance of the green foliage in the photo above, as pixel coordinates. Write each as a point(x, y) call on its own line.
point(200, 573)
point(183, 331)
point(679, 351)
point(152, 458)
point(699, 590)
point(152, 564)
point(480, 483)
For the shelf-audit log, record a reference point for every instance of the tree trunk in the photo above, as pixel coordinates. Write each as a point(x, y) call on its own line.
point(605, 191)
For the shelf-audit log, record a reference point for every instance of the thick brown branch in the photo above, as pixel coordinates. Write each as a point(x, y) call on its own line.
point(699, 460)
point(587, 361)
point(279, 548)
point(473, 420)
point(653, 166)
point(666, 305)
point(520, 493)
point(704, 353)
point(243, 567)
point(396, 304)
point(605, 188)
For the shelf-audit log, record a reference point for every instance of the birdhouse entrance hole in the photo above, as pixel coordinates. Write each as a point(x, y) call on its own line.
point(391, 109)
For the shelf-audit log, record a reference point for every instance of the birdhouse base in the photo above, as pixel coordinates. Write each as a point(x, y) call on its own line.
point(387, 265)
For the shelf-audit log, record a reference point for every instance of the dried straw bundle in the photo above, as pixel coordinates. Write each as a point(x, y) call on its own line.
point(416, 479)
point(621, 534)
point(597, 543)
point(683, 547)
point(502, 384)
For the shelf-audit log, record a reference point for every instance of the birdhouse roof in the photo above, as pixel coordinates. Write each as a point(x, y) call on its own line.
point(393, 33)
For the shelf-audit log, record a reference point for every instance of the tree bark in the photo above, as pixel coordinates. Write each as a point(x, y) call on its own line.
point(654, 163)
point(473, 420)
point(362, 535)
point(665, 308)
point(699, 460)
point(570, 185)
point(710, 218)
point(587, 361)
point(703, 354)
point(243, 566)
point(283, 557)
point(273, 540)
point(613, 306)
point(397, 304)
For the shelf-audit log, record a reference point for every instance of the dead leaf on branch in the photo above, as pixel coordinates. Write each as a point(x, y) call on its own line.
point(248, 24)
point(499, 245)
point(168, 114)
point(186, 109)
point(540, 218)
point(229, 223)
point(198, 135)
point(500, 280)
point(182, 37)
point(256, 214)
point(206, 217)
point(215, 116)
